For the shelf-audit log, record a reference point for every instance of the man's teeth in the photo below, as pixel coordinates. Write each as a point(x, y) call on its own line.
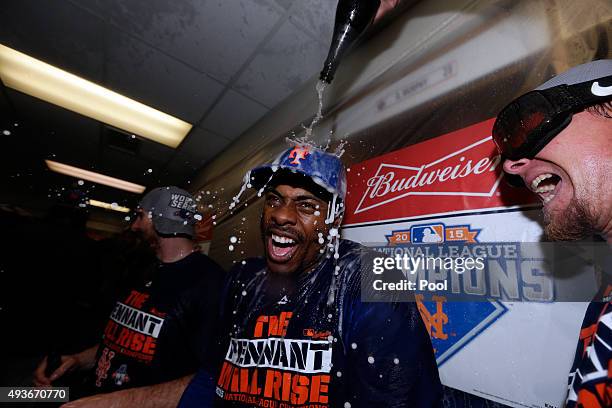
point(538, 180)
point(544, 189)
point(548, 198)
point(282, 240)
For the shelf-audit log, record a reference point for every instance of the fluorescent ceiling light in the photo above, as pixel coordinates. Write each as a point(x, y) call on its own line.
point(108, 206)
point(94, 177)
point(43, 81)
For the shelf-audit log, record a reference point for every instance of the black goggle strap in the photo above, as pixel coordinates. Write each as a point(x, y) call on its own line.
point(571, 99)
point(578, 96)
point(568, 99)
point(563, 98)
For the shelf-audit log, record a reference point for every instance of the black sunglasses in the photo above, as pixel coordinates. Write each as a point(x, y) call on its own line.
point(529, 122)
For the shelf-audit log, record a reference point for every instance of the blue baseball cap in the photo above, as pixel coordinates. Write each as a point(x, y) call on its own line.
point(324, 169)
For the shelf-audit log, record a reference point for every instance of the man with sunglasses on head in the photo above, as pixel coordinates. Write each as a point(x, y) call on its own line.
point(558, 140)
point(162, 330)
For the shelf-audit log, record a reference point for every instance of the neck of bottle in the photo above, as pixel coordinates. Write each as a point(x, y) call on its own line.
point(352, 19)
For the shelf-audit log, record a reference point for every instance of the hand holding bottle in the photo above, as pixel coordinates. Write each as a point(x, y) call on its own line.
point(54, 366)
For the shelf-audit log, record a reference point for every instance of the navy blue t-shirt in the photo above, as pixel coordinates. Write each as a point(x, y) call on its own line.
point(162, 329)
point(310, 341)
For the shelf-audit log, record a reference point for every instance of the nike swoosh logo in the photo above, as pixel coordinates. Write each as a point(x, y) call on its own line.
point(599, 90)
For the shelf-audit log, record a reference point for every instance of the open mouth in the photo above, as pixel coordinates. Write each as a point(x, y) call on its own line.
point(546, 186)
point(281, 248)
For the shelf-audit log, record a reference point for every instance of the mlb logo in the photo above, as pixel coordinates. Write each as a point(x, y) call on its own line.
point(427, 234)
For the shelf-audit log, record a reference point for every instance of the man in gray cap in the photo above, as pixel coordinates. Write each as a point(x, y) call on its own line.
point(161, 331)
point(558, 140)
point(165, 218)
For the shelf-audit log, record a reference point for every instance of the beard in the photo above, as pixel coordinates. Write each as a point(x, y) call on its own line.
point(574, 223)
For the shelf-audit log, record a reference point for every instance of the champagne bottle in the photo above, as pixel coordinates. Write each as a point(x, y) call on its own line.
point(352, 18)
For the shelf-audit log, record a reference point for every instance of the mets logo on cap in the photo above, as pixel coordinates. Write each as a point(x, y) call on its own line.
point(298, 153)
point(326, 169)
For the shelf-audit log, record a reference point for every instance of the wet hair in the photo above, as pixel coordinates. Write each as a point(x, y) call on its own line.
point(299, 180)
point(603, 109)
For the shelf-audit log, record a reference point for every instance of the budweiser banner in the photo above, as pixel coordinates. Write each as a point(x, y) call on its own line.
point(448, 194)
point(460, 171)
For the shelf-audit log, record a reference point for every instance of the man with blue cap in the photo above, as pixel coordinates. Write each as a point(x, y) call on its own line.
point(558, 140)
point(297, 332)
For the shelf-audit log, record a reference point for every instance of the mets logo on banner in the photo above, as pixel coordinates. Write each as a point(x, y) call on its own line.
point(433, 234)
point(452, 325)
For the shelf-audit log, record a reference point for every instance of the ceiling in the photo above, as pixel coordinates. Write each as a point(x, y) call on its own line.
point(217, 64)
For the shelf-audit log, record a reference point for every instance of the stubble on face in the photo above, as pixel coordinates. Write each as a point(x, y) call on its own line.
point(580, 156)
point(573, 223)
point(145, 229)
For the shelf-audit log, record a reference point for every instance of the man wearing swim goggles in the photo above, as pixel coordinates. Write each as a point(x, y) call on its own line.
point(557, 140)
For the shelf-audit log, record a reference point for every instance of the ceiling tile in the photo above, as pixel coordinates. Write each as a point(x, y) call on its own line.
point(202, 145)
point(184, 163)
point(155, 153)
point(181, 169)
point(270, 82)
point(215, 36)
point(62, 35)
point(64, 135)
point(151, 77)
point(126, 166)
point(317, 16)
point(170, 55)
point(286, 4)
point(233, 114)
point(199, 147)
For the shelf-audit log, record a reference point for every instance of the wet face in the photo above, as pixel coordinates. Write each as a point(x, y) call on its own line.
point(292, 220)
point(571, 177)
point(143, 225)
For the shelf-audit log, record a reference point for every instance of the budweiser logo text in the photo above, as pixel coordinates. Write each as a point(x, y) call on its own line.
point(382, 185)
point(440, 177)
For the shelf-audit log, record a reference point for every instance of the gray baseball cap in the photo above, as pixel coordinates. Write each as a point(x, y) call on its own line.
point(173, 210)
point(581, 73)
